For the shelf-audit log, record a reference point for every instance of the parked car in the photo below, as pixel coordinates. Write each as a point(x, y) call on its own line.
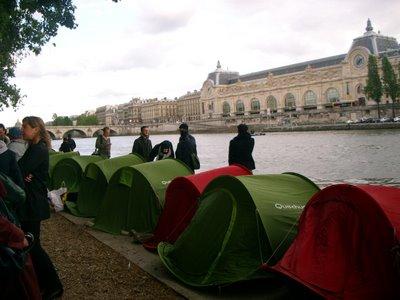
point(396, 119)
point(376, 120)
point(366, 120)
point(386, 119)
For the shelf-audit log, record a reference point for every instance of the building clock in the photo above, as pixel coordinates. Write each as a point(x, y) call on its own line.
point(359, 61)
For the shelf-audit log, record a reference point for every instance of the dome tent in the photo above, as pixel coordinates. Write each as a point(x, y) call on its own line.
point(181, 202)
point(94, 183)
point(135, 196)
point(56, 157)
point(240, 223)
point(68, 171)
point(352, 230)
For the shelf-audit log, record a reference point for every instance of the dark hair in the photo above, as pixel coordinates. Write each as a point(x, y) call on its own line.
point(184, 126)
point(69, 135)
point(2, 126)
point(35, 122)
point(242, 128)
point(143, 127)
point(14, 133)
point(65, 138)
point(106, 128)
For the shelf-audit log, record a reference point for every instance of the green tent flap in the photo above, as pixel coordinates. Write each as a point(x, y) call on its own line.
point(95, 181)
point(135, 196)
point(241, 223)
point(68, 171)
point(54, 158)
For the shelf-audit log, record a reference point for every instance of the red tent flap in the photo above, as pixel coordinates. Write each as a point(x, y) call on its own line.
point(343, 248)
point(181, 203)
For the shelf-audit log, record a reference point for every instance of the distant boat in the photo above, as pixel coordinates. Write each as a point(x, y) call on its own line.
point(257, 133)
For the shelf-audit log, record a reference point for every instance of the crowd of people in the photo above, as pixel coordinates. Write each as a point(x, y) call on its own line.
point(240, 147)
point(24, 163)
point(24, 159)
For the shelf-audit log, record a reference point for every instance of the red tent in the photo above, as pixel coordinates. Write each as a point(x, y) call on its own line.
point(181, 203)
point(346, 243)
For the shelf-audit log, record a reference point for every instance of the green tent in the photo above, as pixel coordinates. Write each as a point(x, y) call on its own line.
point(94, 183)
point(68, 171)
point(55, 158)
point(241, 223)
point(135, 196)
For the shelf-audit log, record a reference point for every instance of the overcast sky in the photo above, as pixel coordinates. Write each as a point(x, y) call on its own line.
point(158, 48)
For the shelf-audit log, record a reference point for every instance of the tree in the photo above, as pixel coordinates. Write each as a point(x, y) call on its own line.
point(61, 121)
point(374, 88)
point(87, 120)
point(25, 27)
point(390, 84)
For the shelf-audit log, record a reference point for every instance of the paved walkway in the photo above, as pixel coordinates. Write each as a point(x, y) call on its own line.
point(149, 262)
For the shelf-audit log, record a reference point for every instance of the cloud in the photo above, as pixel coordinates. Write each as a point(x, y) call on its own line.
point(162, 22)
point(110, 93)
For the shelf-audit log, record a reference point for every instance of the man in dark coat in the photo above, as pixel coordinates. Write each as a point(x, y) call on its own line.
point(241, 148)
point(71, 142)
point(142, 145)
point(186, 147)
point(65, 146)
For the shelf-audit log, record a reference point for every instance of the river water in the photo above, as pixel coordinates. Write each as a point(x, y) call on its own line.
point(326, 157)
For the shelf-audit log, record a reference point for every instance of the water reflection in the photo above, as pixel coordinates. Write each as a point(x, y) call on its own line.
point(326, 157)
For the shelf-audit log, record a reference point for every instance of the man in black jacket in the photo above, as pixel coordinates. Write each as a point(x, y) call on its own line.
point(241, 148)
point(142, 145)
point(186, 147)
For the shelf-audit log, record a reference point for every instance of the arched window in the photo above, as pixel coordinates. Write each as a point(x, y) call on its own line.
point(239, 106)
point(255, 105)
point(290, 101)
point(272, 104)
point(226, 108)
point(310, 98)
point(360, 89)
point(332, 95)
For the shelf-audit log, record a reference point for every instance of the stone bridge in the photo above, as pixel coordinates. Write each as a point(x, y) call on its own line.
point(58, 132)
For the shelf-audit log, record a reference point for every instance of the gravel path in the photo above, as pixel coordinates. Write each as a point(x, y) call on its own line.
point(92, 270)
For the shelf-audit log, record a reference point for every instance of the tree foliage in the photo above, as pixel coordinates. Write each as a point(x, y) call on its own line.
point(61, 121)
point(87, 120)
point(390, 84)
point(374, 89)
point(25, 26)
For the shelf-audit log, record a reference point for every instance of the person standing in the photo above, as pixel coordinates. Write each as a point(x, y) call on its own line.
point(3, 135)
point(142, 145)
point(34, 165)
point(103, 143)
point(241, 148)
point(71, 142)
point(9, 165)
point(186, 150)
point(65, 146)
point(17, 144)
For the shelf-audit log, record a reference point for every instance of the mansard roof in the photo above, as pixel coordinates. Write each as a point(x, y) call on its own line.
point(317, 63)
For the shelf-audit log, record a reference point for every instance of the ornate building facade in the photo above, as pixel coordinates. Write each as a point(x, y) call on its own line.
point(320, 90)
point(302, 89)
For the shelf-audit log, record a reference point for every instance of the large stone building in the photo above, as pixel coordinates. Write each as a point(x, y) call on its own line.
point(158, 111)
point(316, 91)
point(304, 90)
point(188, 106)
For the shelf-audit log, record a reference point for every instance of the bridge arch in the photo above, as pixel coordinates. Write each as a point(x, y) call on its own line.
point(100, 131)
point(52, 135)
point(75, 133)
